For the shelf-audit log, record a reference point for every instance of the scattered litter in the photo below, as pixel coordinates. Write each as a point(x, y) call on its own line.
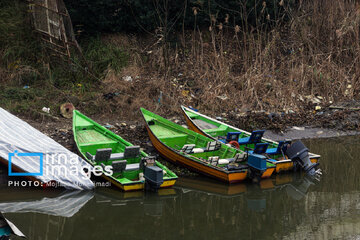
point(344, 108)
point(299, 128)
point(109, 126)
point(132, 127)
point(238, 115)
point(160, 97)
point(26, 87)
point(127, 78)
point(185, 93)
point(349, 86)
point(319, 132)
point(110, 95)
point(219, 118)
point(66, 110)
point(123, 124)
point(317, 108)
point(45, 109)
point(313, 99)
point(194, 109)
point(222, 97)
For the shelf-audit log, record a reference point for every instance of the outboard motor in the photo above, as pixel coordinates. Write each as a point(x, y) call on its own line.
point(299, 154)
point(153, 175)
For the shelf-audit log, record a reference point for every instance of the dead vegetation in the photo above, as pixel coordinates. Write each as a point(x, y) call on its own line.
point(315, 54)
point(293, 65)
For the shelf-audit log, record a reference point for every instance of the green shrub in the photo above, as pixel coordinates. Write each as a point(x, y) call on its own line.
point(17, 40)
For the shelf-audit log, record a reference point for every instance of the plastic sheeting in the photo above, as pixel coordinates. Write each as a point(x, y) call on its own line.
point(65, 205)
point(58, 164)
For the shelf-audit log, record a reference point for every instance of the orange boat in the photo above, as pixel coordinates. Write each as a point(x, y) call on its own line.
point(218, 131)
point(203, 154)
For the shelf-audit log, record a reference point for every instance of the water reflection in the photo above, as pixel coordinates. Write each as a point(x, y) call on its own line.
point(287, 206)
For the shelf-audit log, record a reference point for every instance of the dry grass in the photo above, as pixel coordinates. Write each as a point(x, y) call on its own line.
point(226, 67)
point(229, 68)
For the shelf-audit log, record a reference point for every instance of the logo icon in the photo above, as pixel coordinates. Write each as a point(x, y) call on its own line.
point(40, 156)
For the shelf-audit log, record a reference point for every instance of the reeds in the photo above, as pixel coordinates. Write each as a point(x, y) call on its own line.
point(273, 65)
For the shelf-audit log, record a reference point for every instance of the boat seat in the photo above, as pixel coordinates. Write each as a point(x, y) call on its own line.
point(277, 150)
point(213, 160)
point(101, 155)
point(115, 156)
point(260, 148)
point(211, 146)
point(231, 136)
point(239, 157)
point(104, 154)
point(255, 137)
point(132, 167)
point(121, 165)
point(188, 148)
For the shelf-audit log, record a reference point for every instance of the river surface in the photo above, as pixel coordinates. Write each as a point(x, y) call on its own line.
point(287, 206)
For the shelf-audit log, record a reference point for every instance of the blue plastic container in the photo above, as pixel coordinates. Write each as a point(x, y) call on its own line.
point(257, 161)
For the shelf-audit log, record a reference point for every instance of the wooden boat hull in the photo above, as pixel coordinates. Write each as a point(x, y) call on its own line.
point(174, 157)
point(136, 186)
point(281, 166)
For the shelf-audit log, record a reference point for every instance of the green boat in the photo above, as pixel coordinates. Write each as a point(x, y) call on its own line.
point(241, 139)
point(203, 154)
point(131, 168)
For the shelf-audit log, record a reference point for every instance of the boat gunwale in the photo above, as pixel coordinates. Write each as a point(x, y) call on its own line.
point(184, 109)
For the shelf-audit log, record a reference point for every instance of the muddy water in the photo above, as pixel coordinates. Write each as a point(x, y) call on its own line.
point(288, 206)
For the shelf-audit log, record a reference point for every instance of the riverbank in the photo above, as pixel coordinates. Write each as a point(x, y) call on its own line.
point(330, 123)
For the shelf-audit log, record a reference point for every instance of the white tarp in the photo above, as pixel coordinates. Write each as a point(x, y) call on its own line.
point(59, 164)
point(65, 205)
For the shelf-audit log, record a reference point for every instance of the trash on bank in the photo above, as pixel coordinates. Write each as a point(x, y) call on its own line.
point(66, 110)
point(127, 78)
point(46, 110)
point(223, 97)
